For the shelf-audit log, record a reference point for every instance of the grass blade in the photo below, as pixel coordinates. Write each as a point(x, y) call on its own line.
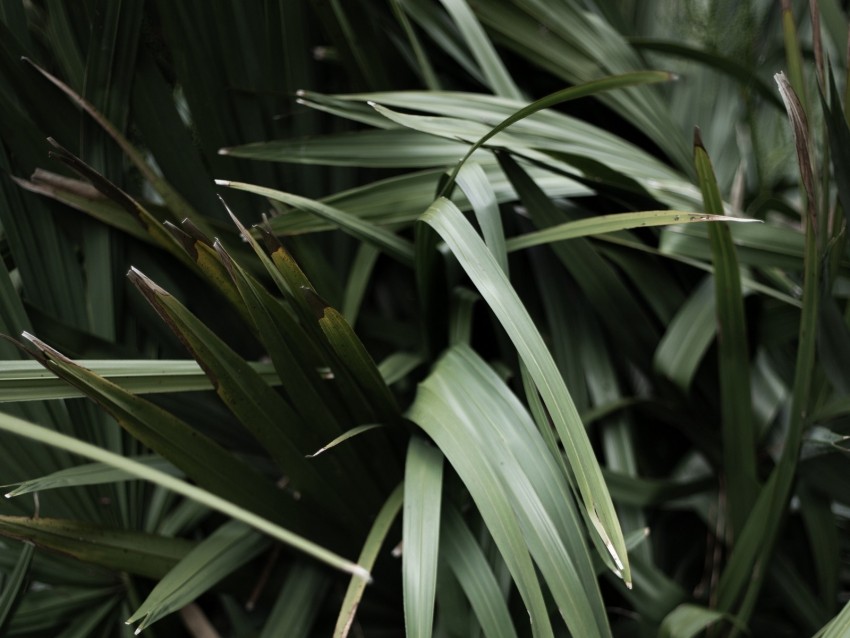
point(138, 553)
point(45, 436)
point(29, 381)
point(738, 430)
point(482, 49)
point(590, 88)
point(90, 474)
point(395, 246)
point(494, 286)
point(612, 223)
point(465, 407)
point(423, 491)
point(228, 548)
point(15, 583)
point(368, 556)
point(687, 621)
point(298, 603)
point(466, 559)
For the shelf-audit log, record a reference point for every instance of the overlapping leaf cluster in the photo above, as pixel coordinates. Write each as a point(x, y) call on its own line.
point(599, 407)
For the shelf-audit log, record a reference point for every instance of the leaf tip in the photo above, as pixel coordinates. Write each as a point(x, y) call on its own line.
point(223, 151)
point(698, 138)
point(222, 182)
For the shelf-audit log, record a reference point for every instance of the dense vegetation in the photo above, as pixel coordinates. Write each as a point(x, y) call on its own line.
point(474, 253)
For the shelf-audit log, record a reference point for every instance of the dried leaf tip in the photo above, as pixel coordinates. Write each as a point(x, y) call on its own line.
point(222, 182)
point(224, 151)
point(698, 138)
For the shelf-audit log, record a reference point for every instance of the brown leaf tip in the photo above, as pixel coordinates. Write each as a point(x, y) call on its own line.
point(144, 284)
point(698, 138)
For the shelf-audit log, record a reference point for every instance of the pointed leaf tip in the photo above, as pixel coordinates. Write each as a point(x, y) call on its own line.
point(698, 138)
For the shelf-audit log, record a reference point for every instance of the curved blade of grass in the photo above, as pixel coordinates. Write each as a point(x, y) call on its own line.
point(90, 474)
point(14, 584)
point(401, 199)
point(688, 336)
point(202, 459)
point(29, 381)
point(511, 456)
point(473, 182)
point(359, 278)
point(838, 626)
point(353, 354)
point(230, 508)
point(612, 223)
point(360, 429)
point(398, 365)
point(435, 412)
point(299, 602)
point(228, 548)
point(558, 97)
point(494, 286)
point(423, 494)
point(713, 59)
point(139, 553)
point(429, 77)
point(613, 301)
point(47, 609)
point(738, 429)
point(390, 243)
point(494, 71)
point(465, 558)
point(269, 417)
point(687, 621)
point(745, 570)
point(373, 544)
point(377, 148)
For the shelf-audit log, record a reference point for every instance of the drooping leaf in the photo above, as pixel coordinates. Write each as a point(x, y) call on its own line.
point(503, 300)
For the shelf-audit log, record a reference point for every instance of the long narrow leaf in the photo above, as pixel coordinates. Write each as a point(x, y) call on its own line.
point(423, 488)
point(493, 285)
point(225, 550)
point(43, 435)
point(739, 436)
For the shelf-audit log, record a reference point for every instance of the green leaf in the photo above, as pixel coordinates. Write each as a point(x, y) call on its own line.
point(390, 243)
point(367, 558)
point(519, 488)
point(687, 621)
point(838, 626)
point(497, 291)
point(43, 435)
point(143, 554)
point(738, 429)
point(299, 602)
point(29, 381)
point(688, 336)
point(565, 95)
point(90, 474)
point(225, 550)
point(466, 559)
point(203, 460)
point(612, 223)
point(482, 49)
point(473, 182)
point(258, 407)
point(423, 491)
point(15, 583)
